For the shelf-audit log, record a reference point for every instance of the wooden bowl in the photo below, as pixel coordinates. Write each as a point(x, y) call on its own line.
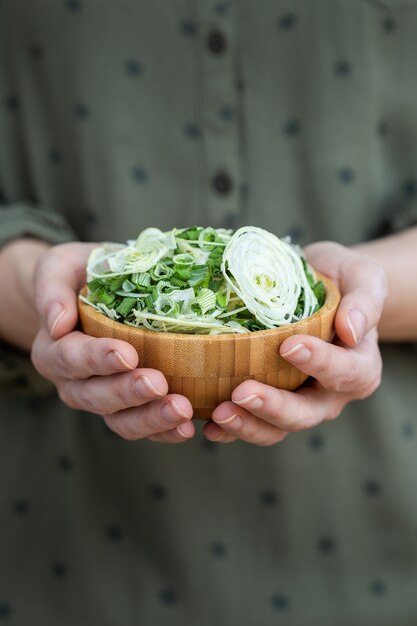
point(206, 368)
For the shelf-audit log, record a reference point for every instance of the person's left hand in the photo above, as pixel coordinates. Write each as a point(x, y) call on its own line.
point(349, 369)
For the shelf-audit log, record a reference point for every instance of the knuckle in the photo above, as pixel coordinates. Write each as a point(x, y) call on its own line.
point(88, 401)
point(300, 424)
point(37, 361)
point(320, 363)
point(370, 388)
point(92, 362)
point(66, 354)
point(267, 442)
point(334, 411)
point(344, 380)
point(124, 397)
point(66, 397)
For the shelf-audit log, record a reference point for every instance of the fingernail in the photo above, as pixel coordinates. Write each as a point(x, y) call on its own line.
point(357, 323)
point(172, 412)
point(233, 421)
point(120, 360)
point(54, 317)
point(144, 381)
point(250, 402)
point(186, 429)
point(298, 354)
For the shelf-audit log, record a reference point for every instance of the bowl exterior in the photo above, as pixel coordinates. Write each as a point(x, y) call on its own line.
point(207, 368)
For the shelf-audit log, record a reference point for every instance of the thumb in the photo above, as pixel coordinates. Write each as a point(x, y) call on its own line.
point(58, 278)
point(363, 287)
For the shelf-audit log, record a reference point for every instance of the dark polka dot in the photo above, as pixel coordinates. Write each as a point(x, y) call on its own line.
point(269, 497)
point(315, 441)
point(12, 103)
point(157, 492)
point(221, 8)
point(226, 113)
point(343, 68)
point(191, 130)
point(114, 532)
point(280, 602)
point(133, 67)
point(292, 128)
point(168, 597)
point(139, 174)
point(5, 610)
point(409, 188)
point(36, 51)
point(34, 405)
point(389, 24)
point(64, 463)
point(377, 587)
point(188, 27)
point(287, 21)
point(81, 111)
point(382, 129)
point(73, 5)
point(408, 430)
point(372, 488)
point(346, 175)
point(34, 199)
point(91, 219)
point(218, 549)
point(21, 507)
point(55, 156)
point(59, 569)
point(21, 382)
point(326, 545)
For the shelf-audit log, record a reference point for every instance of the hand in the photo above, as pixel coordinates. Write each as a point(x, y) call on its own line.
point(99, 375)
point(349, 369)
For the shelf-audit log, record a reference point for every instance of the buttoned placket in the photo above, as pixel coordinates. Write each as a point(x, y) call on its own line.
point(219, 110)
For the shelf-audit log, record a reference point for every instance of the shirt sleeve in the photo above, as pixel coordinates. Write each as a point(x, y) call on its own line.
point(24, 220)
point(17, 374)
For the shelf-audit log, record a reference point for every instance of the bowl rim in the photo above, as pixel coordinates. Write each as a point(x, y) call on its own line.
point(331, 303)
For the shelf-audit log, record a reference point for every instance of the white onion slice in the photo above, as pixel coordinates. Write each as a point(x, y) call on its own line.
point(268, 275)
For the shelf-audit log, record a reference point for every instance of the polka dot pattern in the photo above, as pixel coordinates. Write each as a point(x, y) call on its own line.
point(132, 133)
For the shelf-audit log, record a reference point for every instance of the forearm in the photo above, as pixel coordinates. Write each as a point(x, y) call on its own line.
point(397, 254)
point(19, 320)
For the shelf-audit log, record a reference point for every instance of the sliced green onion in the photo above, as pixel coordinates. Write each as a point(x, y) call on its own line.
point(206, 299)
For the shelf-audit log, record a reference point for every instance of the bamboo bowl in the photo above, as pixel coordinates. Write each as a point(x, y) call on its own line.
point(207, 368)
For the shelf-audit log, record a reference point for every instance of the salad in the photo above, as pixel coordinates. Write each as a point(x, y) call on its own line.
point(203, 281)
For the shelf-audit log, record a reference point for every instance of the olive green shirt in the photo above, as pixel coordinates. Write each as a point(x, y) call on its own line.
point(299, 117)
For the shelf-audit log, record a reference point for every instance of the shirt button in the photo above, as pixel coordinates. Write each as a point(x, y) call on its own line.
point(222, 183)
point(216, 42)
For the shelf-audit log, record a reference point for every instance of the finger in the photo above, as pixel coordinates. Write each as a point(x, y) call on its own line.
point(348, 370)
point(178, 435)
point(290, 411)
point(151, 418)
point(109, 394)
point(78, 356)
point(363, 287)
point(362, 283)
point(238, 422)
point(215, 433)
point(58, 278)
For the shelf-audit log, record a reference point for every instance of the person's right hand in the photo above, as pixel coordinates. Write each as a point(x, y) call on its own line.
point(99, 375)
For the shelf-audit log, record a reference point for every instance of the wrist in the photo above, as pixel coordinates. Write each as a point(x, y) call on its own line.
point(19, 320)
